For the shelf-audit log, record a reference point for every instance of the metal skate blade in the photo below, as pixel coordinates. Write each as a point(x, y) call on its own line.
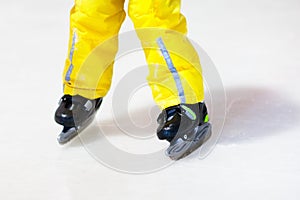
point(67, 135)
point(181, 148)
point(176, 150)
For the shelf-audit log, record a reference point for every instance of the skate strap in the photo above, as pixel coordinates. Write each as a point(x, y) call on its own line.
point(86, 103)
point(189, 112)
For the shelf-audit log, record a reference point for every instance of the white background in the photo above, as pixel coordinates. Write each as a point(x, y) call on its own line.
point(255, 46)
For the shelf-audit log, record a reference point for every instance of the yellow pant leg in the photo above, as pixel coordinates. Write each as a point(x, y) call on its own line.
point(88, 70)
point(162, 18)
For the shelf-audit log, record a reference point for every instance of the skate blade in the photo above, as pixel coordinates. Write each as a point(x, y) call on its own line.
point(66, 136)
point(181, 148)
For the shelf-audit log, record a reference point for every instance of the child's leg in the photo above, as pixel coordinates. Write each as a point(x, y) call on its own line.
point(170, 86)
point(91, 23)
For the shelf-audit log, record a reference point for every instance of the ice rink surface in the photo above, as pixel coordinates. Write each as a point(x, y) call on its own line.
point(255, 47)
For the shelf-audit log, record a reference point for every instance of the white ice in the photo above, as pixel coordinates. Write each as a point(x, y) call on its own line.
point(255, 47)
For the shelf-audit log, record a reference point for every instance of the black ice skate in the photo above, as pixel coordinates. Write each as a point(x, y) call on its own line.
point(185, 126)
point(75, 113)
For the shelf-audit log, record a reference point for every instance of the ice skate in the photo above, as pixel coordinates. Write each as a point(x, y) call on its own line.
point(186, 127)
point(75, 113)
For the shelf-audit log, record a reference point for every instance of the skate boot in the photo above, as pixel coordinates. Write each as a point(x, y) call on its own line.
point(75, 113)
point(185, 126)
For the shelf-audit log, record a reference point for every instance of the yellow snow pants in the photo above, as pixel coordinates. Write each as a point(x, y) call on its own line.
point(174, 68)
